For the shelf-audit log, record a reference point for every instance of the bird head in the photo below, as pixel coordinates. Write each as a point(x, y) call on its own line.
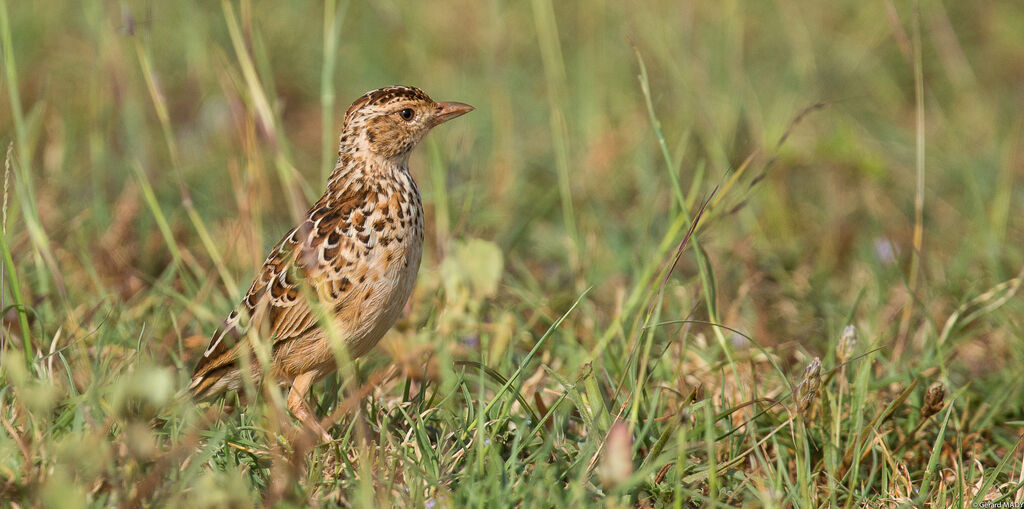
point(390, 121)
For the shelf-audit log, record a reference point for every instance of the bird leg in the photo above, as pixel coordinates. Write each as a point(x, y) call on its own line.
point(300, 407)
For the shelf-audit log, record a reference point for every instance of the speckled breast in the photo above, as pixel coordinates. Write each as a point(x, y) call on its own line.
point(393, 261)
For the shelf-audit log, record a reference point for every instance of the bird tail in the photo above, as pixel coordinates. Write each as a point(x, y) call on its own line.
point(214, 382)
point(218, 369)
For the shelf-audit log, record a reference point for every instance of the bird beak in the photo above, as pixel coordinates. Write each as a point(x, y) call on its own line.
point(448, 111)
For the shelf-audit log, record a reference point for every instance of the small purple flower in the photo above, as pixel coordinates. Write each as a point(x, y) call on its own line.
point(471, 341)
point(885, 252)
point(738, 340)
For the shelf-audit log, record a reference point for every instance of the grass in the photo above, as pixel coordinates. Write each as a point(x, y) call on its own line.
point(699, 254)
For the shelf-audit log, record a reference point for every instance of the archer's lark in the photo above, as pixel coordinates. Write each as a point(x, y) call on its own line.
point(354, 258)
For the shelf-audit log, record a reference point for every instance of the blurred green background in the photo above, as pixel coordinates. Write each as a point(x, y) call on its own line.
point(160, 148)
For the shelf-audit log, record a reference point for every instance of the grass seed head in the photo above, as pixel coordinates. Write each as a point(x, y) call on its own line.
point(806, 391)
point(847, 343)
point(934, 400)
point(617, 464)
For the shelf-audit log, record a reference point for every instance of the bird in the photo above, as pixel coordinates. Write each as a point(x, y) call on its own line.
point(345, 272)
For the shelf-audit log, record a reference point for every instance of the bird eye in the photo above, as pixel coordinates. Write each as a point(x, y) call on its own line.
point(406, 114)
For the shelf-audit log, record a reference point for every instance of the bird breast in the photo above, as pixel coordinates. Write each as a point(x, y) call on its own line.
point(392, 243)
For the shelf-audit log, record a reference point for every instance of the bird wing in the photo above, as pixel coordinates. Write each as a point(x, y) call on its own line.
point(318, 260)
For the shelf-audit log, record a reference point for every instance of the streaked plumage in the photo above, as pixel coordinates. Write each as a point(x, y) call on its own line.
point(354, 258)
